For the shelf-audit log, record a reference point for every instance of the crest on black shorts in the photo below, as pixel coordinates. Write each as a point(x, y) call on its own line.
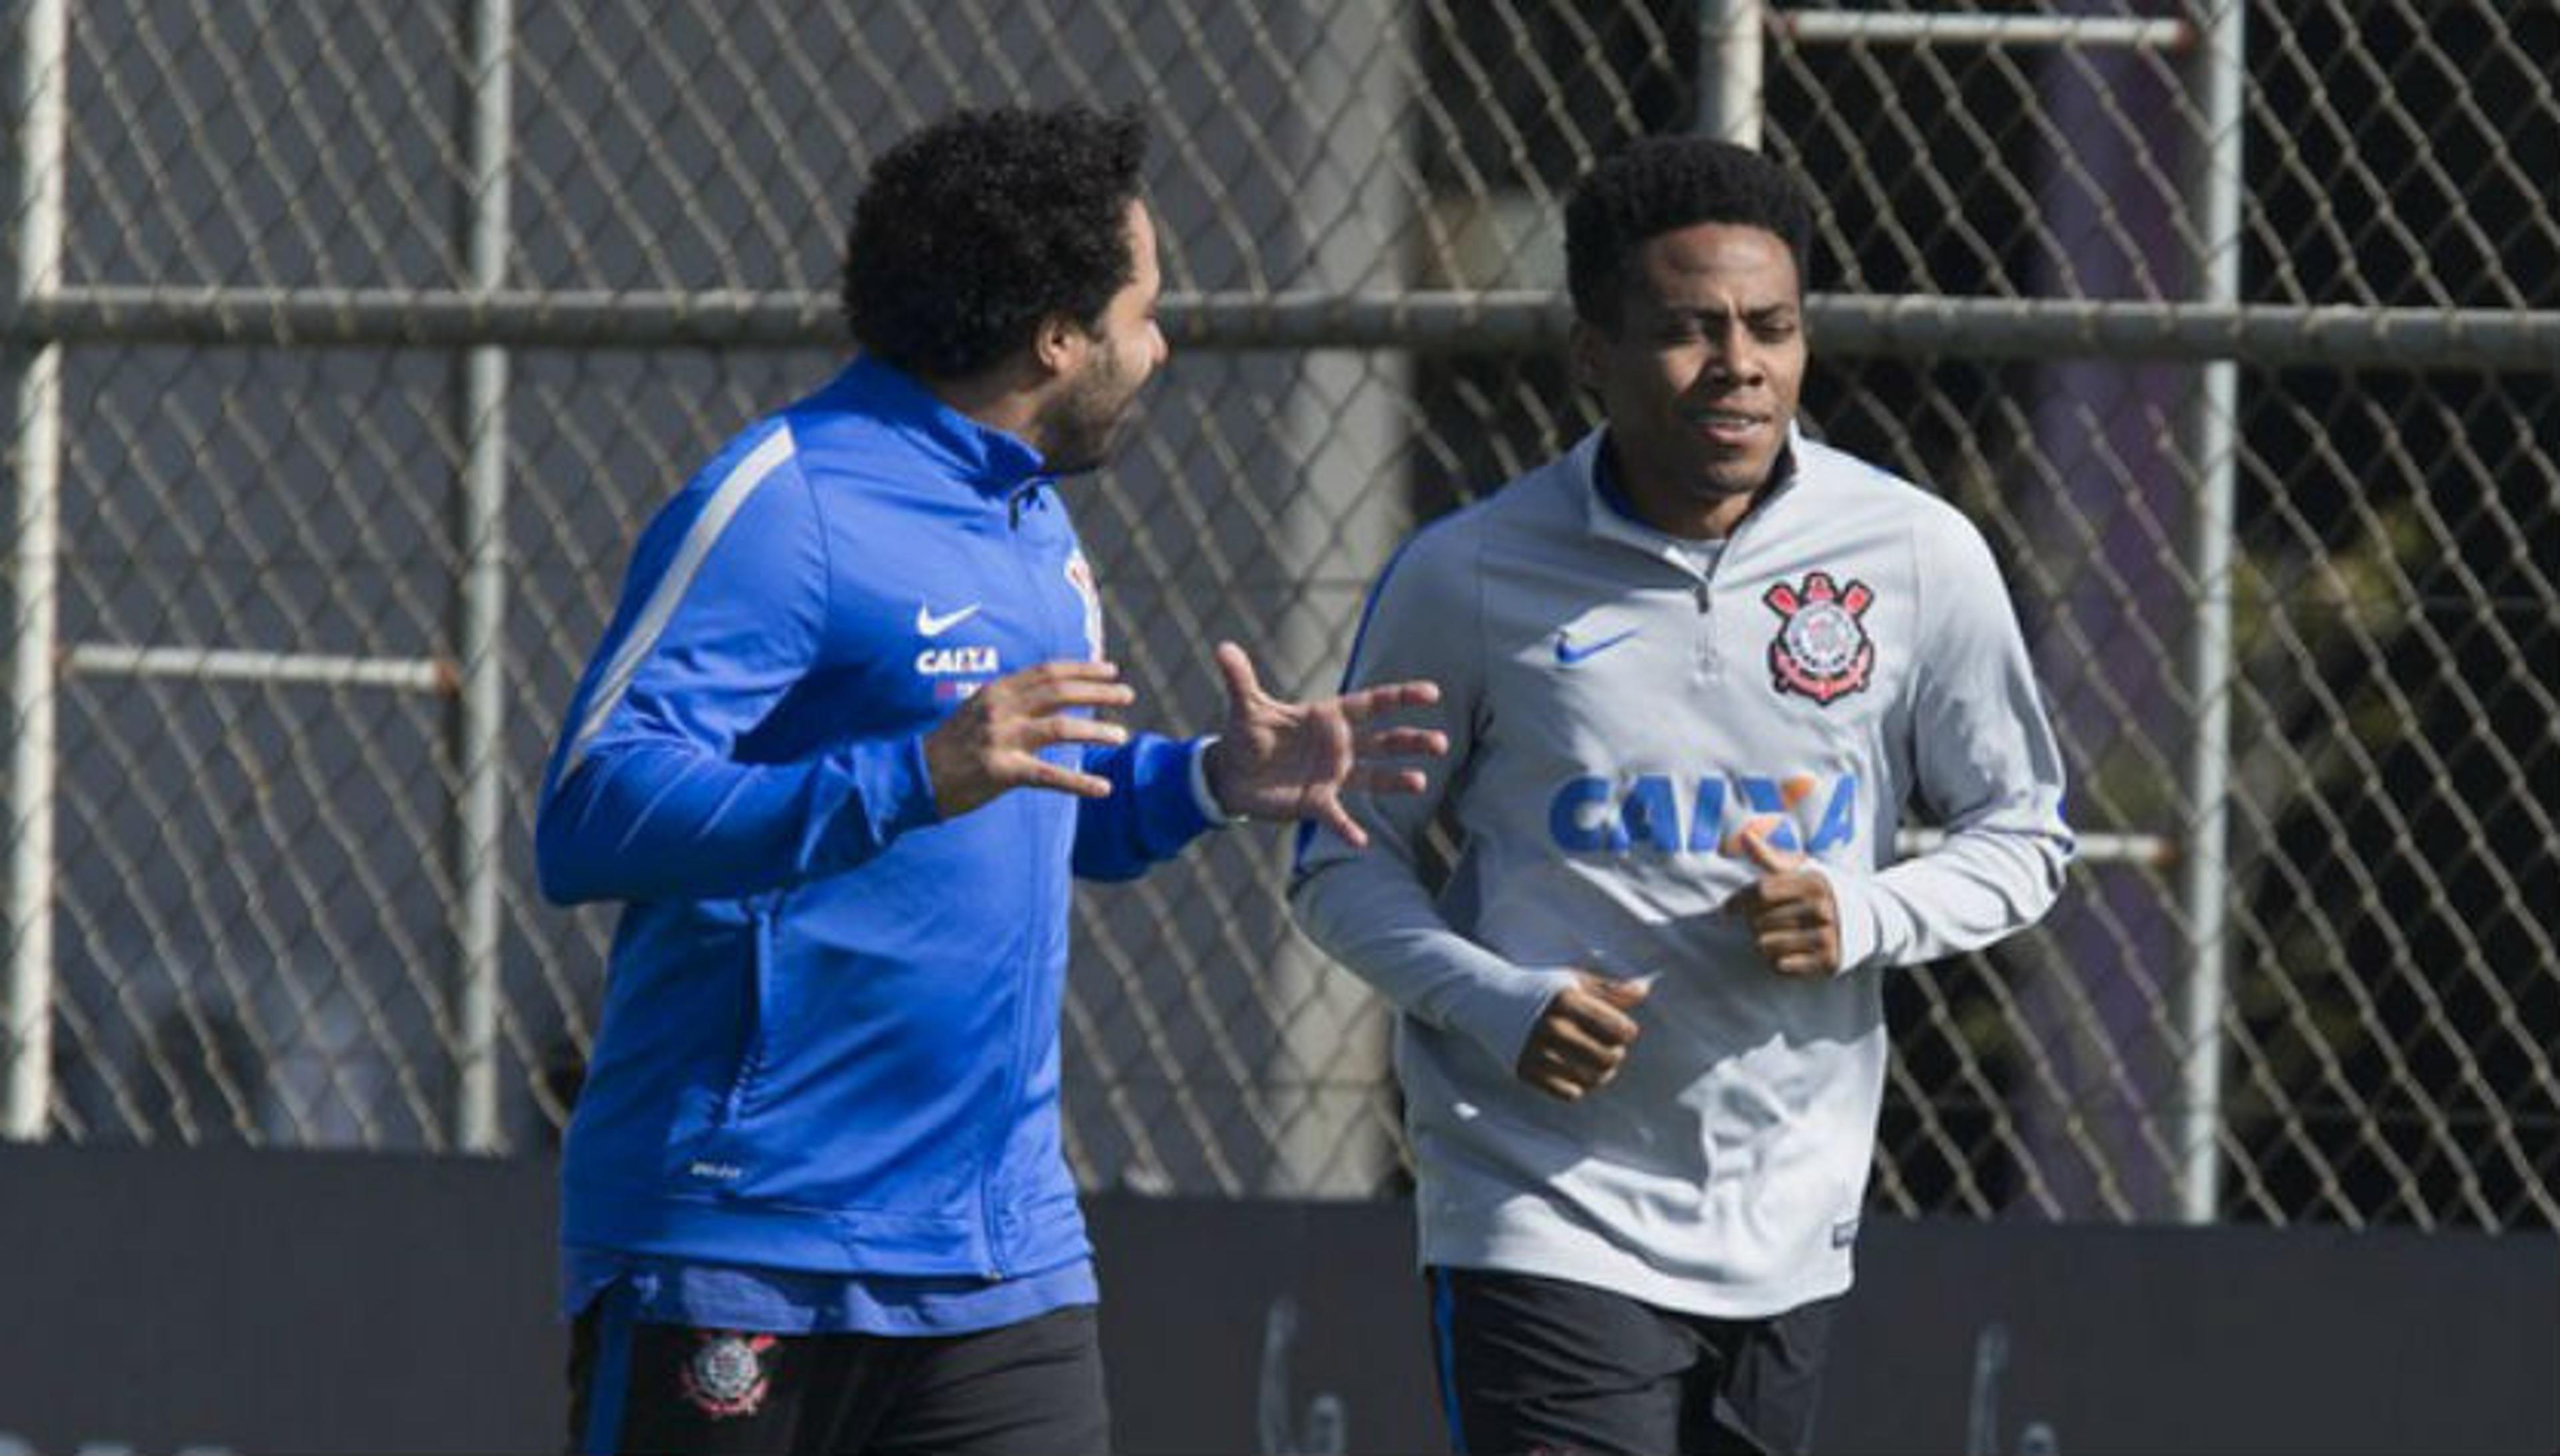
point(1822, 649)
point(726, 1374)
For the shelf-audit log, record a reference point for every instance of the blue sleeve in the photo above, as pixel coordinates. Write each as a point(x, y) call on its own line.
point(1149, 813)
point(724, 609)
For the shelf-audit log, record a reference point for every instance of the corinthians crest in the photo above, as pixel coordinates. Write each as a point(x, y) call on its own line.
point(1079, 575)
point(726, 1374)
point(1822, 649)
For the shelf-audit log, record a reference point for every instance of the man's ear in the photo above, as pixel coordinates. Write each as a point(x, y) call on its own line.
point(1059, 345)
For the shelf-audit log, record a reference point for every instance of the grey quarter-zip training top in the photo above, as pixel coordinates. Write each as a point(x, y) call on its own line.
point(1621, 706)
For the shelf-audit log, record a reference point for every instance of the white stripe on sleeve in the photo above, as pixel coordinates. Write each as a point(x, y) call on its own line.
point(704, 532)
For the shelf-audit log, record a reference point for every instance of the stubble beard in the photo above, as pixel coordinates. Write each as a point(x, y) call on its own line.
point(1088, 422)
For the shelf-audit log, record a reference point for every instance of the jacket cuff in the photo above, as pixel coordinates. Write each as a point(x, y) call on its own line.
point(1210, 810)
point(1855, 897)
point(893, 791)
point(1500, 1011)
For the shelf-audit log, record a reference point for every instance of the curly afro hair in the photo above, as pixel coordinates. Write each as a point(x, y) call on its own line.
point(972, 231)
point(1661, 184)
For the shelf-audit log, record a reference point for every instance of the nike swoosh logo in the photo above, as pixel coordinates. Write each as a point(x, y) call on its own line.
point(929, 625)
point(1567, 653)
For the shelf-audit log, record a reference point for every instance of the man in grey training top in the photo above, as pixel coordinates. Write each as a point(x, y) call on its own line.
point(1692, 670)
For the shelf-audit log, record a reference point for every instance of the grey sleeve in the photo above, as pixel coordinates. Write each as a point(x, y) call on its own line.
point(1985, 765)
point(1367, 907)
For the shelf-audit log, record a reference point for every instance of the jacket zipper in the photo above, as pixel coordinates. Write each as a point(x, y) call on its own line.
point(1710, 663)
point(752, 1043)
point(989, 1214)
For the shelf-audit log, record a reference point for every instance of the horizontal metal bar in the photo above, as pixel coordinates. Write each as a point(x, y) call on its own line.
point(1846, 27)
point(2154, 849)
point(2260, 335)
point(1494, 321)
point(436, 675)
point(120, 313)
point(446, 318)
point(239, 665)
point(1447, 322)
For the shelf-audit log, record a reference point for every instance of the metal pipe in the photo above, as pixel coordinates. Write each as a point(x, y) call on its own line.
point(2268, 336)
point(2155, 850)
point(243, 665)
point(1847, 27)
point(1346, 422)
point(2220, 71)
point(442, 675)
point(479, 718)
point(26, 1035)
point(1848, 325)
point(1730, 33)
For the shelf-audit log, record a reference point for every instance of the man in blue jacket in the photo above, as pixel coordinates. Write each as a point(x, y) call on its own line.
point(839, 755)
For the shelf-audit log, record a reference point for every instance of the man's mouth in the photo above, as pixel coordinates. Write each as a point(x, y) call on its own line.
point(1733, 429)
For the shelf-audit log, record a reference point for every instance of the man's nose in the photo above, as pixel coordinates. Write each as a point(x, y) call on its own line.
point(1733, 356)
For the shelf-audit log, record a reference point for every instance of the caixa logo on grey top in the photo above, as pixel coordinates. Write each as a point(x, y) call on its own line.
point(1659, 813)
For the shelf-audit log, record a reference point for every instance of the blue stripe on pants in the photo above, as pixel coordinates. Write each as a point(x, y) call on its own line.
point(609, 1381)
point(1444, 1332)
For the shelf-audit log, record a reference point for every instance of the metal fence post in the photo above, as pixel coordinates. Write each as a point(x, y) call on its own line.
point(479, 748)
point(1345, 420)
point(36, 390)
point(2212, 430)
point(1731, 37)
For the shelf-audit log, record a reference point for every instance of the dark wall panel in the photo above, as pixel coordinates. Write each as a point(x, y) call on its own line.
point(244, 1300)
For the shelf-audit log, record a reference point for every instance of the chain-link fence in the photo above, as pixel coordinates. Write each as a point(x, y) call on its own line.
point(350, 343)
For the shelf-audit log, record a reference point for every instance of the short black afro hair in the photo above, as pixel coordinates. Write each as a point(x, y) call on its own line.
point(972, 231)
point(1660, 185)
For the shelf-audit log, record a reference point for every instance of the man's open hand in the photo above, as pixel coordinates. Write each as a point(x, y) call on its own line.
point(993, 742)
point(1296, 761)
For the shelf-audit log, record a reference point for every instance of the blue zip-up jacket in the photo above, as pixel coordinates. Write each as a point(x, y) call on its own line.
point(830, 1030)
